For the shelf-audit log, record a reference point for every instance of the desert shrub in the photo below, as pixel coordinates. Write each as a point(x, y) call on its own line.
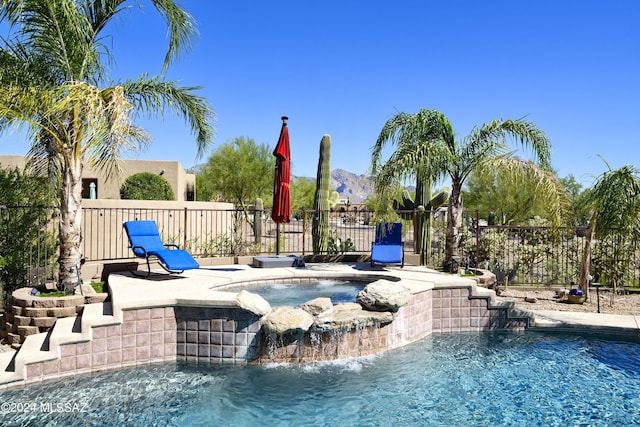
point(146, 186)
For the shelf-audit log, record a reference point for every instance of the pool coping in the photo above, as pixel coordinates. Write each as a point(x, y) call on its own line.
point(206, 286)
point(417, 279)
point(620, 326)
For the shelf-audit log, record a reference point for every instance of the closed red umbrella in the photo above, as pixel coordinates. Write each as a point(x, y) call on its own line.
point(281, 211)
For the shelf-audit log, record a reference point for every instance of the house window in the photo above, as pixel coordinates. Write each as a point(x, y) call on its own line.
point(89, 188)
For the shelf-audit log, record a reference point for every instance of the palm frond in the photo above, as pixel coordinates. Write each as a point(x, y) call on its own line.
point(391, 132)
point(415, 135)
point(57, 28)
point(153, 96)
point(524, 133)
point(182, 30)
point(616, 200)
point(490, 140)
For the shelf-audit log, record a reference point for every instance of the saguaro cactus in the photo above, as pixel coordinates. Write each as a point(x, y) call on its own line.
point(321, 204)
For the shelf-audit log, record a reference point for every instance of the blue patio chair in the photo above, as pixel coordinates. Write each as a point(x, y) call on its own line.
point(388, 248)
point(145, 242)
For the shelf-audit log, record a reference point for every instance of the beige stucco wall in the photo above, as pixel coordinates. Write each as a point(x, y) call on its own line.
point(10, 162)
point(109, 188)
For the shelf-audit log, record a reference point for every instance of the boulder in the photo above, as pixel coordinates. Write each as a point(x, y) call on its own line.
point(317, 306)
point(384, 295)
point(562, 294)
point(347, 306)
point(351, 316)
point(253, 303)
point(285, 319)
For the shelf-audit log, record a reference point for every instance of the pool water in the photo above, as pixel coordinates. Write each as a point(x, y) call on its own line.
point(293, 294)
point(459, 379)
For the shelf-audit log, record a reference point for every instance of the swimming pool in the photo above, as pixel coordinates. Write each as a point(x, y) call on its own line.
point(452, 379)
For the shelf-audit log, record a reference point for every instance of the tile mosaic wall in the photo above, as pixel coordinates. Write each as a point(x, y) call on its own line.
point(219, 335)
point(145, 336)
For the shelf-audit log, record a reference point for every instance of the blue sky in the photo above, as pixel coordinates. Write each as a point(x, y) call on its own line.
point(345, 67)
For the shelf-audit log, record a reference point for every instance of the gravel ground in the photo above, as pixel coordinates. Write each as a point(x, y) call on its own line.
point(545, 299)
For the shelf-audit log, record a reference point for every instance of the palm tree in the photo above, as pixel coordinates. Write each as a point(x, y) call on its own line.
point(485, 148)
point(53, 83)
point(419, 139)
point(614, 202)
point(439, 153)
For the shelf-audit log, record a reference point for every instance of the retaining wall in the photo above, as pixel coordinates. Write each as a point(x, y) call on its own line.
point(32, 314)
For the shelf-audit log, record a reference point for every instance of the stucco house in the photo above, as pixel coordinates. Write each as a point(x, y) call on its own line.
point(183, 184)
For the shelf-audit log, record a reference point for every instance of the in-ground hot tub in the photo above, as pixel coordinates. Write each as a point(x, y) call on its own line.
point(296, 292)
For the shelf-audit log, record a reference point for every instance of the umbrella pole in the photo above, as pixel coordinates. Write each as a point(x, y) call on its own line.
point(275, 187)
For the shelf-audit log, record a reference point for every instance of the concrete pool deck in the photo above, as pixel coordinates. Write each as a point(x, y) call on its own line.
point(208, 283)
point(623, 326)
point(164, 289)
point(160, 319)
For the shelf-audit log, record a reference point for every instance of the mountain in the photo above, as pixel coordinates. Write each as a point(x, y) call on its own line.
point(357, 188)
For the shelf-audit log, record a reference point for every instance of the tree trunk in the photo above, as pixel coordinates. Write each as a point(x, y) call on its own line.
point(585, 265)
point(454, 221)
point(417, 231)
point(70, 223)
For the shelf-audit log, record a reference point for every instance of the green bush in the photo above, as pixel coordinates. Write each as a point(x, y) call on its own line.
point(146, 186)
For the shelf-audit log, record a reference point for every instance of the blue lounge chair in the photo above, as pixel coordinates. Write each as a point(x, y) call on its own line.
point(145, 242)
point(388, 248)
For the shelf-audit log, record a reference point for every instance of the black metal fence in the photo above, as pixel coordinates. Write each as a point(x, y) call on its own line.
point(28, 245)
point(540, 255)
point(519, 255)
point(215, 232)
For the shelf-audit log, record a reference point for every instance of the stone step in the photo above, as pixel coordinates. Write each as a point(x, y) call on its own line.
point(98, 314)
point(67, 330)
point(33, 350)
point(43, 347)
point(5, 359)
point(512, 312)
point(8, 374)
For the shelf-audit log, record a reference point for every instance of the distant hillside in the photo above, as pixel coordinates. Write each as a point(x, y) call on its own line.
point(357, 188)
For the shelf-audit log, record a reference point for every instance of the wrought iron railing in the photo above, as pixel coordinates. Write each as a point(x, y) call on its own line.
point(28, 245)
